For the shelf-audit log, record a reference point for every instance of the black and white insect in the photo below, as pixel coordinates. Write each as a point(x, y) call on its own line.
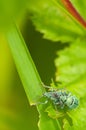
point(61, 98)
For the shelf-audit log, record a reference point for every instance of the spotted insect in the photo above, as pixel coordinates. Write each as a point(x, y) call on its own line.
point(61, 98)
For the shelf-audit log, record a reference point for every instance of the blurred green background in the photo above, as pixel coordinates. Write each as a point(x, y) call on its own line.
point(15, 111)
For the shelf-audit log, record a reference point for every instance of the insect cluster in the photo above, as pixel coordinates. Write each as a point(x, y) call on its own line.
point(62, 99)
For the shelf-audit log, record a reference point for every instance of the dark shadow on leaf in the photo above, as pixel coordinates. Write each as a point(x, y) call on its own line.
point(42, 51)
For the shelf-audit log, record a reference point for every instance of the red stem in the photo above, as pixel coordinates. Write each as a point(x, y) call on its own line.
point(74, 12)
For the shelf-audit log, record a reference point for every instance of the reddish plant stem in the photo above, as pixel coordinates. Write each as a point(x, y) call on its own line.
point(74, 12)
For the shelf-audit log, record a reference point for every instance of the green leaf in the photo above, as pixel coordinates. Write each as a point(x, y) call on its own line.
point(25, 66)
point(46, 122)
point(71, 72)
point(80, 6)
point(29, 77)
point(53, 113)
point(18, 113)
point(54, 21)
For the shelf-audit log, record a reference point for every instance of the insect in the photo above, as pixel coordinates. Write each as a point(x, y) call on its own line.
point(62, 99)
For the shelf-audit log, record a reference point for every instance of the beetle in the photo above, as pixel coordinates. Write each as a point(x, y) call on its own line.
point(61, 98)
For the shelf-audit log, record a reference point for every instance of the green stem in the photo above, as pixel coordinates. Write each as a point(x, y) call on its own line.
point(29, 77)
point(25, 66)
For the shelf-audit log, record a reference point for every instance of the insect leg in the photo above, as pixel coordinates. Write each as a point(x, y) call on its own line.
point(42, 102)
point(45, 86)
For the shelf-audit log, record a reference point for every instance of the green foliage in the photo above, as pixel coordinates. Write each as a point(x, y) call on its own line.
point(45, 121)
point(72, 73)
point(80, 6)
point(52, 19)
point(25, 65)
point(29, 76)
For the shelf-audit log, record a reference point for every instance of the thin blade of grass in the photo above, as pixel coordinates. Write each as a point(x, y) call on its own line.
point(25, 66)
point(29, 77)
